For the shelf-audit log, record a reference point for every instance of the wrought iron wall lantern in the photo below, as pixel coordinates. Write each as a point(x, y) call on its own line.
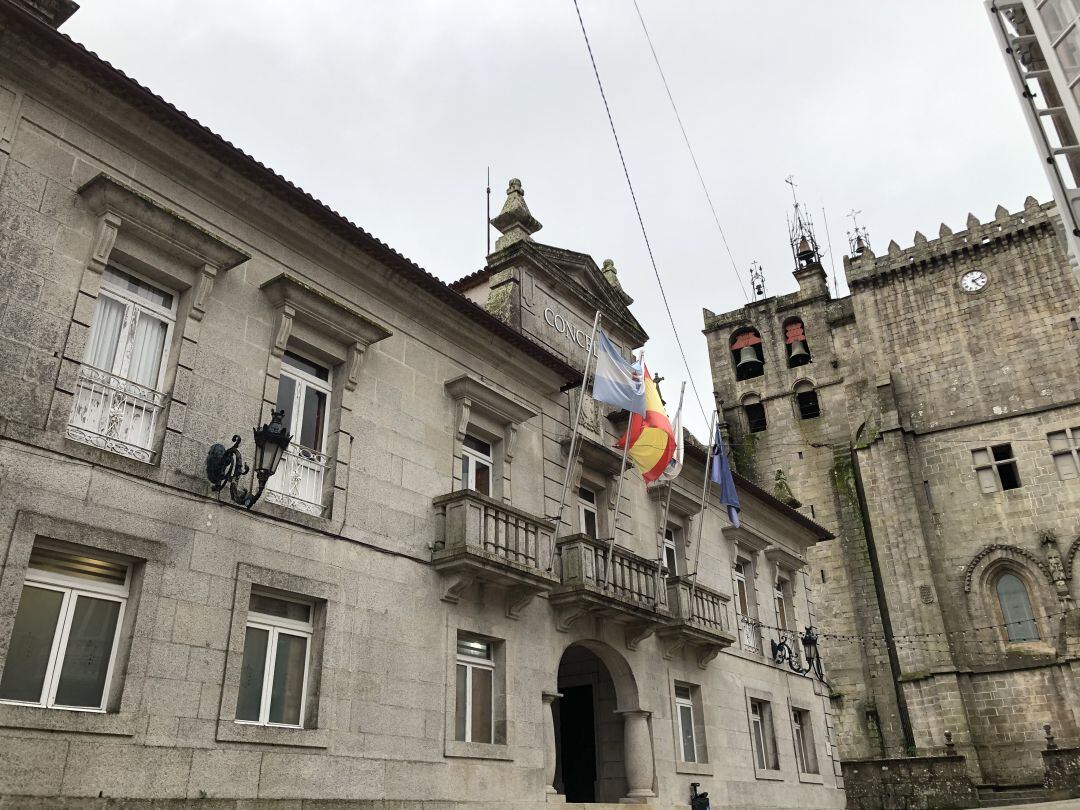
point(782, 652)
point(225, 466)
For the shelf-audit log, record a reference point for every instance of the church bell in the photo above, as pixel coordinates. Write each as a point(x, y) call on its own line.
point(799, 355)
point(749, 365)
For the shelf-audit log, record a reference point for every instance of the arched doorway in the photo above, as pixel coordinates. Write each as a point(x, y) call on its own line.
point(596, 717)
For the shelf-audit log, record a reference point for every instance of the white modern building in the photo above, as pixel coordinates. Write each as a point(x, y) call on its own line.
point(1040, 40)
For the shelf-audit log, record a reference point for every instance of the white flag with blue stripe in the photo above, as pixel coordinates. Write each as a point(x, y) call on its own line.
point(616, 381)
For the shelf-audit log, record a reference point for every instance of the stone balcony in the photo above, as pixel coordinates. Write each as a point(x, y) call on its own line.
point(627, 593)
point(482, 540)
point(699, 619)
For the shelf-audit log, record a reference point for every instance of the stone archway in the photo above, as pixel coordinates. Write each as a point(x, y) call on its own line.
point(601, 743)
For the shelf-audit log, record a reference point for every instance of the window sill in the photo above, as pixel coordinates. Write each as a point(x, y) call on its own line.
point(696, 768)
point(812, 778)
point(228, 731)
point(769, 774)
point(471, 750)
point(115, 724)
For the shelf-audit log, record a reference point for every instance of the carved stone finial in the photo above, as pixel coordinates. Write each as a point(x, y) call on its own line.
point(973, 222)
point(950, 746)
point(1051, 745)
point(1001, 213)
point(944, 231)
point(1030, 203)
point(611, 274)
point(919, 238)
point(894, 249)
point(515, 221)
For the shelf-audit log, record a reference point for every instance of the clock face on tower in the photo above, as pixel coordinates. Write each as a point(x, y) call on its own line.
point(973, 281)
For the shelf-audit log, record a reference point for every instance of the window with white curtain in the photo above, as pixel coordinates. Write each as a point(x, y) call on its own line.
point(63, 643)
point(131, 329)
point(120, 393)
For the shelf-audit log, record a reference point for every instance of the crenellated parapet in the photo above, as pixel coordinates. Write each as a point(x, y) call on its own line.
point(866, 268)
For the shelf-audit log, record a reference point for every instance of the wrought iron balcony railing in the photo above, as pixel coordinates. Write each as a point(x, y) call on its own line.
point(479, 539)
point(115, 414)
point(750, 634)
point(298, 482)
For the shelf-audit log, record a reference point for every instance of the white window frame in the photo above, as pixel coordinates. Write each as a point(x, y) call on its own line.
point(276, 625)
point(468, 477)
point(781, 600)
point(304, 381)
point(763, 742)
point(671, 545)
point(133, 305)
point(471, 663)
point(803, 737)
point(585, 506)
point(1069, 448)
point(680, 704)
point(72, 588)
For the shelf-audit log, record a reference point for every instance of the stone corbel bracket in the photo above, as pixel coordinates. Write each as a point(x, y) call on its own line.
point(473, 395)
point(141, 227)
point(314, 316)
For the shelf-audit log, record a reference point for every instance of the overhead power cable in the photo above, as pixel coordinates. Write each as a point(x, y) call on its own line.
point(690, 149)
point(637, 210)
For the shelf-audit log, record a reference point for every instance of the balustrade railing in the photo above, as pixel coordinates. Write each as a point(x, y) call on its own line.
point(698, 606)
point(114, 414)
point(583, 561)
point(298, 482)
point(471, 522)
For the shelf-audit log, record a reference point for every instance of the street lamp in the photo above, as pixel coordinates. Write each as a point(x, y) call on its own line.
point(782, 652)
point(225, 466)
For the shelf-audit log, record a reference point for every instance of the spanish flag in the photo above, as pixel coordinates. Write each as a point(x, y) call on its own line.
point(652, 441)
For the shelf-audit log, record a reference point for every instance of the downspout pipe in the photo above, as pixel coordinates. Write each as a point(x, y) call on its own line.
point(883, 605)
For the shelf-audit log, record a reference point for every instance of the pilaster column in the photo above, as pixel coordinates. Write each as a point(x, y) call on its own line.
point(548, 720)
point(637, 756)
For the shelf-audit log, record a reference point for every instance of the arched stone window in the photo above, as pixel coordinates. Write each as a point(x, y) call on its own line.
point(806, 400)
point(754, 409)
point(747, 354)
point(798, 350)
point(1015, 604)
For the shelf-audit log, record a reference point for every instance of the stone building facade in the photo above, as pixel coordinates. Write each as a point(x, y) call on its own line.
point(928, 419)
point(397, 618)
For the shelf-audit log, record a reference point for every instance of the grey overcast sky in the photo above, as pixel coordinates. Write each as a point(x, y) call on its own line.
point(391, 111)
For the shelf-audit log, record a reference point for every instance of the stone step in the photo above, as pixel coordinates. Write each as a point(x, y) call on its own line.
point(1011, 795)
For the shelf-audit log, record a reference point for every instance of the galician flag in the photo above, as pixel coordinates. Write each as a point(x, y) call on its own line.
point(652, 441)
point(616, 381)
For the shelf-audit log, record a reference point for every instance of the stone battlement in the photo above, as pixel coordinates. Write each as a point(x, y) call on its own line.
point(865, 267)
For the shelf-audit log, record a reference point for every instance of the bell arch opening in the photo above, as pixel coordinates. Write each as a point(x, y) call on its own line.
point(598, 689)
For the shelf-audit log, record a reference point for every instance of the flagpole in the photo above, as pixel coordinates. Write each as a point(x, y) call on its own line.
point(618, 491)
point(704, 502)
point(667, 504)
point(572, 451)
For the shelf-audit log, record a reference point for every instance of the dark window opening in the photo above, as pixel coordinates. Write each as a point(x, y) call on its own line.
point(747, 354)
point(755, 417)
point(1006, 465)
point(808, 404)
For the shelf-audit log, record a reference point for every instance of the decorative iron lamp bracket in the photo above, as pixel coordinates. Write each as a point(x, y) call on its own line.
point(782, 652)
point(225, 466)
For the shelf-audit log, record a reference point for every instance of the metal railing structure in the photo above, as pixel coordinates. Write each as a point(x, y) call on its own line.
point(115, 414)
